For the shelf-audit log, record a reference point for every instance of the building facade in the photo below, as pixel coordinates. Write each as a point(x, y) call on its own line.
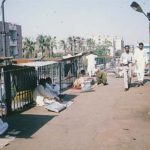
point(13, 35)
point(147, 49)
point(116, 43)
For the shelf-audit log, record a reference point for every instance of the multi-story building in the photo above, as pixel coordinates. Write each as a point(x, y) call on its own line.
point(118, 43)
point(103, 39)
point(147, 49)
point(13, 35)
point(132, 48)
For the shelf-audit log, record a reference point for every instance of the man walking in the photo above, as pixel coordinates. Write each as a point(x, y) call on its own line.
point(141, 61)
point(127, 62)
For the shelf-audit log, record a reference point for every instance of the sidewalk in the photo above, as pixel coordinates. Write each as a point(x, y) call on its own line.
point(105, 119)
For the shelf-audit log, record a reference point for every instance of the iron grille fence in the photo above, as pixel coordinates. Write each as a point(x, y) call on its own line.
point(18, 82)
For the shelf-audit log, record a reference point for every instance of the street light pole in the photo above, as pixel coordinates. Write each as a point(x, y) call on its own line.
point(3, 29)
point(148, 15)
point(138, 8)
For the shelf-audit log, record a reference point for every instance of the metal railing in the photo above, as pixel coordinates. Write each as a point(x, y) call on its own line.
point(19, 82)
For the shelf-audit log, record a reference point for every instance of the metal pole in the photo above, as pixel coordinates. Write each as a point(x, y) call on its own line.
point(60, 75)
point(7, 82)
point(3, 29)
point(149, 46)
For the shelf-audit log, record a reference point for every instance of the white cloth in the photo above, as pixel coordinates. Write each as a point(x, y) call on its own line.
point(3, 126)
point(86, 86)
point(39, 93)
point(127, 74)
point(91, 64)
point(141, 60)
point(54, 106)
point(53, 90)
point(127, 59)
point(2, 91)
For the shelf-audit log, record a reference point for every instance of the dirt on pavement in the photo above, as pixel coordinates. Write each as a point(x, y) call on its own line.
point(105, 119)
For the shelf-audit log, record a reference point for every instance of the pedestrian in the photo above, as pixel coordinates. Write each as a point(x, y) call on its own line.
point(127, 61)
point(101, 77)
point(141, 62)
point(91, 62)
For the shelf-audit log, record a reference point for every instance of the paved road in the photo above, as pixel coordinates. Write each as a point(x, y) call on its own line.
point(106, 119)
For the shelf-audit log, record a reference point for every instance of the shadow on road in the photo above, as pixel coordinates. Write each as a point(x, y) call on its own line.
point(69, 97)
point(146, 80)
point(27, 124)
point(134, 84)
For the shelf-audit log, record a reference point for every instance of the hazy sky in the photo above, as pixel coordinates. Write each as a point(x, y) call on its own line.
point(63, 18)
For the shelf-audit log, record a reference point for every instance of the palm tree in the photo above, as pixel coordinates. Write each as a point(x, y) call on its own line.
point(80, 44)
point(53, 45)
point(63, 45)
point(28, 47)
point(70, 44)
point(90, 44)
point(48, 44)
point(41, 43)
point(74, 44)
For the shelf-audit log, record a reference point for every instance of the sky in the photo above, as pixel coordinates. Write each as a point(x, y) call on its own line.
point(85, 18)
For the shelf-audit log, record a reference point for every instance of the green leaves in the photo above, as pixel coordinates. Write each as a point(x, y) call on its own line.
point(45, 45)
point(28, 48)
point(102, 50)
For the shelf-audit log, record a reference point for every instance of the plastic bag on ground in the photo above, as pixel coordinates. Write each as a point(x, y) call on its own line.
point(54, 106)
point(86, 86)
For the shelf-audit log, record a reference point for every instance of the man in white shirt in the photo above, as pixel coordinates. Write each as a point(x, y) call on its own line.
point(43, 97)
point(53, 89)
point(126, 61)
point(141, 61)
point(91, 64)
point(40, 94)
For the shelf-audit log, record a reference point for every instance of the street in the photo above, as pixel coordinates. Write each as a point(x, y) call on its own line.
point(105, 119)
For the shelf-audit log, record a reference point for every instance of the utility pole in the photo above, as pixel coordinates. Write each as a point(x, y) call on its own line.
point(139, 9)
point(148, 16)
point(3, 29)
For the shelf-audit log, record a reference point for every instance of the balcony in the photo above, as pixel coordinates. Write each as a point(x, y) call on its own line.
point(12, 43)
point(12, 27)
